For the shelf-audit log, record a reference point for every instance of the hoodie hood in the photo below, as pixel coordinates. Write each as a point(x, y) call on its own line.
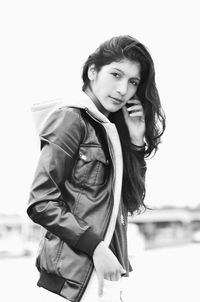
point(43, 111)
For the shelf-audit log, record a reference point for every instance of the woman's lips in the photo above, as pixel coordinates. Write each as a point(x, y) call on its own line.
point(115, 100)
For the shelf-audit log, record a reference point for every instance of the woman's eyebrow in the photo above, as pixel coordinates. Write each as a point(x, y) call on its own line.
point(136, 78)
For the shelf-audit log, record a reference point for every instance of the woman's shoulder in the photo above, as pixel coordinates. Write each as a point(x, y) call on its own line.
point(63, 117)
point(63, 122)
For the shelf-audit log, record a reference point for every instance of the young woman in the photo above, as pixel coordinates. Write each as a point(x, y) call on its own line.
point(91, 172)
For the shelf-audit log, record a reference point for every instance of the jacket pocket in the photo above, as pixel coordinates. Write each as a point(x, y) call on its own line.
point(91, 166)
point(49, 254)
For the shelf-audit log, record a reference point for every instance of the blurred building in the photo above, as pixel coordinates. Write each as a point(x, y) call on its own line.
point(168, 226)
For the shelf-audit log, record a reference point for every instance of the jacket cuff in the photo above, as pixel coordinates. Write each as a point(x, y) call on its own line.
point(88, 242)
point(139, 153)
point(138, 149)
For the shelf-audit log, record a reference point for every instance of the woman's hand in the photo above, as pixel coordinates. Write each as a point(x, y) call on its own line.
point(135, 121)
point(107, 266)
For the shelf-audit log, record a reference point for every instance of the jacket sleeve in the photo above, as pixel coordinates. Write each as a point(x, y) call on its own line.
point(139, 154)
point(62, 137)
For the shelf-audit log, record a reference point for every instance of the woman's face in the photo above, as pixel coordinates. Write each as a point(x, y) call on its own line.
point(115, 84)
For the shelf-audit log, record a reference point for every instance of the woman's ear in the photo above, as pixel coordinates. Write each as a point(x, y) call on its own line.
point(92, 72)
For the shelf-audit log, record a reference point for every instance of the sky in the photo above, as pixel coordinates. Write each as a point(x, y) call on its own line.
point(43, 47)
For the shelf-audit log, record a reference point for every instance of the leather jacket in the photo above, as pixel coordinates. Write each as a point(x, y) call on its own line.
point(73, 182)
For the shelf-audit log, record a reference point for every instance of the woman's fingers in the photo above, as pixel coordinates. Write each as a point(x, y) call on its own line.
point(107, 266)
point(133, 101)
point(136, 114)
point(135, 108)
point(115, 275)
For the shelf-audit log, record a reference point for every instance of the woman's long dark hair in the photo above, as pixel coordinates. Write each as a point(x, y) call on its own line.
point(115, 50)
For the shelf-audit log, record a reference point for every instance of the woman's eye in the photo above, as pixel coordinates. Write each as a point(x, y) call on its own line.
point(134, 83)
point(116, 75)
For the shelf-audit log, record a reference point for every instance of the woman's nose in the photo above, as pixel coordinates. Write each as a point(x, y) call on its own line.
point(122, 87)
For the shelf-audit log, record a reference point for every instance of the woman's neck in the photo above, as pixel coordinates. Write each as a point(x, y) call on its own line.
point(95, 100)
